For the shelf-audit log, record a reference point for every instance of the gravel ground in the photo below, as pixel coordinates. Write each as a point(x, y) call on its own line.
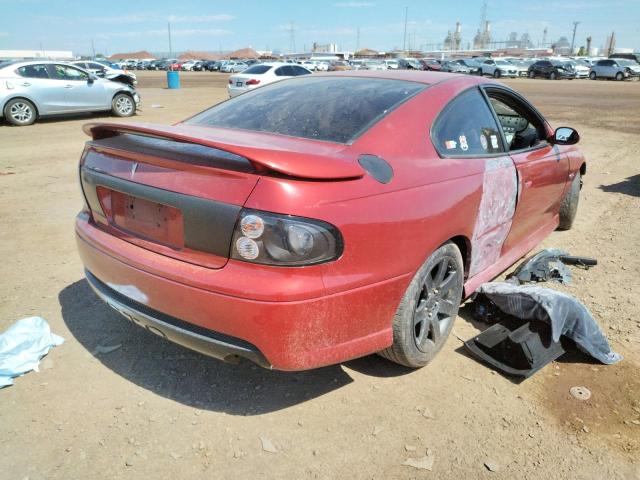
point(151, 409)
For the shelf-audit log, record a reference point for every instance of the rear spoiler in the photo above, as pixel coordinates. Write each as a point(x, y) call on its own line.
point(293, 157)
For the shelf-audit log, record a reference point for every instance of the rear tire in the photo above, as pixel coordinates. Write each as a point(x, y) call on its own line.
point(123, 105)
point(569, 205)
point(428, 309)
point(20, 112)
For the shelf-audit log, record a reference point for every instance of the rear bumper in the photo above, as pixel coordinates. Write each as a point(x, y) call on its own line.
point(201, 340)
point(278, 327)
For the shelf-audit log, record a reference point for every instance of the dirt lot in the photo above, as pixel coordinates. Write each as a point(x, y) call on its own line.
point(151, 409)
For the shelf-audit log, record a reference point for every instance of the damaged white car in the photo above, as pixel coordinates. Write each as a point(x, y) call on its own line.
point(33, 89)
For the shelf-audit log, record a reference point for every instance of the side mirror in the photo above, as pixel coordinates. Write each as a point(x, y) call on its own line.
point(565, 136)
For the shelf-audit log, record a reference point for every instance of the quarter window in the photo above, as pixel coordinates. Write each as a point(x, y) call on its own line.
point(300, 71)
point(466, 127)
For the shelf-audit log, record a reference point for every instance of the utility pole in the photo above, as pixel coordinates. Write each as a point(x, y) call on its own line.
point(573, 38)
point(93, 49)
point(292, 38)
point(357, 39)
point(169, 31)
point(404, 38)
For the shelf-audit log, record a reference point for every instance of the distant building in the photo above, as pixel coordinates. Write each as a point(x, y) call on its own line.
point(30, 54)
point(562, 46)
point(327, 48)
point(453, 41)
point(483, 38)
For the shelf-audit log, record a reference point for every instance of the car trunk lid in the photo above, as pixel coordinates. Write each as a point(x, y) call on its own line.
point(178, 190)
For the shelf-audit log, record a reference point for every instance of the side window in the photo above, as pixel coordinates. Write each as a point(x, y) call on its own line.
point(466, 127)
point(33, 71)
point(280, 72)
point(300, 71)
point(96, 66)
point(67, 72)
point(521, 126)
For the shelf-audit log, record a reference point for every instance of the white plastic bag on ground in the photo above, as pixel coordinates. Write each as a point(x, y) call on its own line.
point(23, 345)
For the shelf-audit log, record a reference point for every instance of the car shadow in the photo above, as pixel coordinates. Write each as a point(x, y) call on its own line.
point(629, 186)
point(191, 378)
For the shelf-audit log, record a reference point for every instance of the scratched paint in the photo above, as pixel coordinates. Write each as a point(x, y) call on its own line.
point(130, 291)
point(495, 213)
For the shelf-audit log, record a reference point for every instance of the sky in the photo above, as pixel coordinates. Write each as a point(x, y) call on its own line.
point(209, 25)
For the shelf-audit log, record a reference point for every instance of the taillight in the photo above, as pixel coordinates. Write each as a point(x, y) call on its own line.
point(253, 81)
point(284, 240)
point(230, 82)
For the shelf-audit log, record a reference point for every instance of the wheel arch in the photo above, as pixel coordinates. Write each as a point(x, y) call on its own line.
point(118, 92)
point(464, 245)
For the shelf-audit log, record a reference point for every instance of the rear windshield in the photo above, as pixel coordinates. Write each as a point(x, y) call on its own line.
point(320, 108)
point(258, 69)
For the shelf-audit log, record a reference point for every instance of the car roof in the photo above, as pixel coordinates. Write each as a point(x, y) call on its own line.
point(420, 76)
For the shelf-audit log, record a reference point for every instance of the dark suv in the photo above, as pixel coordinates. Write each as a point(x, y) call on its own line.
point(551, 69)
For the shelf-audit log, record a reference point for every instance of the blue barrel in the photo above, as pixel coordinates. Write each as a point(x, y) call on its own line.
point(173, 79)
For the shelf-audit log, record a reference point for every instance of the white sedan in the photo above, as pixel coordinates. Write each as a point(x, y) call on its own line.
point(263, 74)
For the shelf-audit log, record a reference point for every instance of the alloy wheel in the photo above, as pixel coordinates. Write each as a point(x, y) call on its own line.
point(124, 105)
point(21, 112)
point(435, 306)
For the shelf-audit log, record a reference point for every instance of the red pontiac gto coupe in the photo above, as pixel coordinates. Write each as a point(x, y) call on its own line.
point(322, 218)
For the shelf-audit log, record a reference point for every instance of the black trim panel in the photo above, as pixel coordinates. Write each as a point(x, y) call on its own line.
point(194, 337)
point(208, 225)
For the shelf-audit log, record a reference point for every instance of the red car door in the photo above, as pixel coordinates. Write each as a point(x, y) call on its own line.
point(542, 168)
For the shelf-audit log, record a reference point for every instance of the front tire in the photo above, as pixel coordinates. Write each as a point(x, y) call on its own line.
point(123, 105)
point(552, 76)
point(619, 76)
point(428, 309)
point(20, 112)
point(532, 74)
point(592, 75)
point(497, 74)
point(569, 205)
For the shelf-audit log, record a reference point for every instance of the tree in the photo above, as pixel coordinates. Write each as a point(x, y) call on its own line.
point(581, 52)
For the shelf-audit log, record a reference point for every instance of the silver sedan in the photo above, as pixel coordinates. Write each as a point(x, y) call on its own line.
point(33, 89)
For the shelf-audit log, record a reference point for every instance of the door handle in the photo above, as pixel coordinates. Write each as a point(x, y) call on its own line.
point(68, 86)
point(25, 84)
